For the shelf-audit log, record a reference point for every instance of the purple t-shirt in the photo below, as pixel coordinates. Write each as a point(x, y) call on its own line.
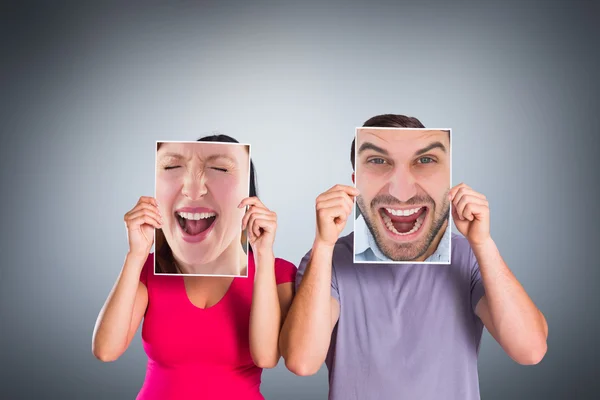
point(406, 331)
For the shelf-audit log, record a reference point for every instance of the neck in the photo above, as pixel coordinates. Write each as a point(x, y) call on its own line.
point(232, 261)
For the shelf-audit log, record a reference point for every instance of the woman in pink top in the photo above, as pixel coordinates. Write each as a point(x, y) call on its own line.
point(206, 337)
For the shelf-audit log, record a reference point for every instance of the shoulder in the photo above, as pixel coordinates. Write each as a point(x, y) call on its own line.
point(342, 250)
point(147, 269)
point(462, 253)
point(284, 264)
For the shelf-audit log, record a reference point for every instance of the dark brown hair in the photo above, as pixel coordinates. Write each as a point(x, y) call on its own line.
point(387, 121)
point(164, 255)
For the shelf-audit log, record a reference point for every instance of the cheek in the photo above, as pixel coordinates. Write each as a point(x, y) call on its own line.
point(228, 192)
point(436, 184)
point(167, 190)
point(369, 183)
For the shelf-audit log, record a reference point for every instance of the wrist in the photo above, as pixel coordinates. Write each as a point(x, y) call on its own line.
point(483, 246)
point(320, 245)
point(263, 253)
point(136, 258)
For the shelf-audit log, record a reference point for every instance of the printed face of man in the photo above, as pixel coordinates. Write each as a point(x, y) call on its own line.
point(403, 176)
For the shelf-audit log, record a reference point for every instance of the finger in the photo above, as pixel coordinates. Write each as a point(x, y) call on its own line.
point(258, 211)
point(261, 219)
point(266, 225)
point(455, 189)
point(263, 215)
point(252, 218)
point(333, 213)
point(464, 191)
point(141, 220)
point(459, 194)
point(143, 206)
point(151, 213)
point(251, 201)
point(256, 228)
point(349, 190)
point(475, 211)
point(334, 195)
point(333, 203)
point(148, 199)
point(468, 199)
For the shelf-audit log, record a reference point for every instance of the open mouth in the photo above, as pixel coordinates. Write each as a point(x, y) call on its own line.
point(405, 223)
point(195, 224)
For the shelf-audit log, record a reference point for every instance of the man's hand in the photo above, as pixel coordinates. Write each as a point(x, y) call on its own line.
point(333, 209)
point(471, 214)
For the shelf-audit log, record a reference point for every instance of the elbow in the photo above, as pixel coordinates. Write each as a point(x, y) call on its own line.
point(532, 355)
point(265, 362)
point(301, 367)
point(105, 355)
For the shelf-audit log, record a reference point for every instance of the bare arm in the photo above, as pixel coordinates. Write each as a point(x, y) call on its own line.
point(122, 313)
point(126, 304)
point(306, 333)
point(506, 310)
point(270, 303)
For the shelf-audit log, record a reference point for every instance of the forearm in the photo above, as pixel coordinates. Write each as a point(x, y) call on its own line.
point(519, 325)
point(113, 323)
point(306, 333)
point(265, 313)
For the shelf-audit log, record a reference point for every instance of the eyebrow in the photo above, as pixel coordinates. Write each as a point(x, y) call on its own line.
point(172, 155)
point(434, 145)
point(370, 146)
point(219, 156)
point(213, 157)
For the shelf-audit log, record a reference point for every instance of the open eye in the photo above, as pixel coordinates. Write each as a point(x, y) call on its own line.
point(426, 160)
point(376, 161)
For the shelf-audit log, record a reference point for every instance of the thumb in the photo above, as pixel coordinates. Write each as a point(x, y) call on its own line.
point(455, 215)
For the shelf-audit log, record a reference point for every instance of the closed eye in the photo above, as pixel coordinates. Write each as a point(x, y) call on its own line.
point(220, 169)
point(172, 167)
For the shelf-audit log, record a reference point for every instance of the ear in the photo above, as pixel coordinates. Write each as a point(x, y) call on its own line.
point(353, 178)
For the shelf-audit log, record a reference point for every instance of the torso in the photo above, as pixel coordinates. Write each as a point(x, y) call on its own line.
point(205, 292)
point(196, 335)
point(404, 331)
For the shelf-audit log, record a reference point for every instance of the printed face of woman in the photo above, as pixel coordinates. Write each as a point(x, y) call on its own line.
point(199, 187)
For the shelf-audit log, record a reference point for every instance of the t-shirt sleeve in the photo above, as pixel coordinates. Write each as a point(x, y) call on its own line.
point(300, 274)
point(477, 288)
point(147, 269)
point(285, 271)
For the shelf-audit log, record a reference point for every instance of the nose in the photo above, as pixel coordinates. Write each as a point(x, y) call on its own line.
point(402, 184)
point(194, 185)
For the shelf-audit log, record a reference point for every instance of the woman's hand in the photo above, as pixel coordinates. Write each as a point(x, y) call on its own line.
point(141, 222)
point(261, 224)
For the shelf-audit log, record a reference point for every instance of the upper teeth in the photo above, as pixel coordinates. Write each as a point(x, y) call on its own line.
point(403, 212)
point(196, 216)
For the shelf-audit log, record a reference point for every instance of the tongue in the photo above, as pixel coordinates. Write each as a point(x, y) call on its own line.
point(197, 227)
point(404, 223)
point(403, 227)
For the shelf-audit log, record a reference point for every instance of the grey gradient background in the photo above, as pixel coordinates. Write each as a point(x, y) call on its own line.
point(87, 89)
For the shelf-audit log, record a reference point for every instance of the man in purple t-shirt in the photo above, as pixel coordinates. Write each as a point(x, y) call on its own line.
point(408, 331)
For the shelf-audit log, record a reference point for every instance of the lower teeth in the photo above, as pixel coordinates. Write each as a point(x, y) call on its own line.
point(390, 226)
